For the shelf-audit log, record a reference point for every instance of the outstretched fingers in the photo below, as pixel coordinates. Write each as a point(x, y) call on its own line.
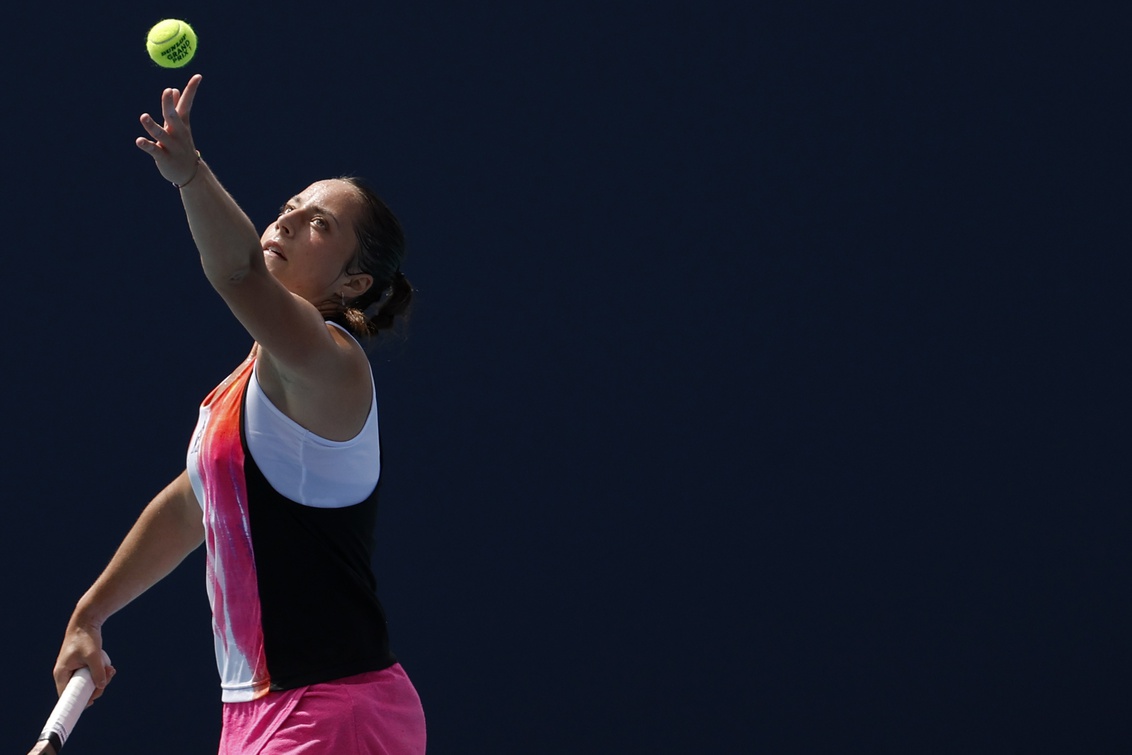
point(177, 105)
point(171, 143)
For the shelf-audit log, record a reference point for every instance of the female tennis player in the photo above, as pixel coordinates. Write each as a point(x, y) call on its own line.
point(282, 474)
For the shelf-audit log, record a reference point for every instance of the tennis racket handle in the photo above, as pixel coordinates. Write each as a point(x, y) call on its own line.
point(66, 713)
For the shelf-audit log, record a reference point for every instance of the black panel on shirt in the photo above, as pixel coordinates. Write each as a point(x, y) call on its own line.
point(321, 616)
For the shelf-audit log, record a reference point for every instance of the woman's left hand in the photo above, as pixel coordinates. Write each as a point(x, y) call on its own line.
point(172, 146)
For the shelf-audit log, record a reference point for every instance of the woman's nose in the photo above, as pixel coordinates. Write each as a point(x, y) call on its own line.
point(285, 222)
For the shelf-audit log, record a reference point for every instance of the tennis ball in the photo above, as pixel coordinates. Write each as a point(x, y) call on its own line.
point(171, 43)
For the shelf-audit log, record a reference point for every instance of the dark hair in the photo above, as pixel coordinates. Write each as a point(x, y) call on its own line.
point(381, 249)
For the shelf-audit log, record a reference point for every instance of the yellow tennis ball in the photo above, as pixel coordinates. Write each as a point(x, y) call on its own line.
point(171, 43)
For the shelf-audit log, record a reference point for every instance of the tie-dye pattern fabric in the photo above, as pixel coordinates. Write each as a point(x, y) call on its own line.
point(216, 468)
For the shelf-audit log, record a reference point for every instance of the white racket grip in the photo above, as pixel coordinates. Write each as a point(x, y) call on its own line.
point(68, 709)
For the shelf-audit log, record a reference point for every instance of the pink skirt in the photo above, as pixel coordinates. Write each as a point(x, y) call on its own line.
point(378, 713)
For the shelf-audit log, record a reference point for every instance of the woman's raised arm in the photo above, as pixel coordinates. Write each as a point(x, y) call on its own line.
point(285, 322)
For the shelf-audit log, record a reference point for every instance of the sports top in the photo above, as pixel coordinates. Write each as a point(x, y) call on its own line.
point(289, 573)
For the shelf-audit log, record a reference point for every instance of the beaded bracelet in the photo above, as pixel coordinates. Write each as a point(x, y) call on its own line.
point(194, 175)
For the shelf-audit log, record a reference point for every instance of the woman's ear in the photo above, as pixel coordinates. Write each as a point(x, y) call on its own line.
point(358, 284)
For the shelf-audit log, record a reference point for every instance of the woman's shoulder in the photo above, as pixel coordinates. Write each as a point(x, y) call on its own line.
point(331, 399)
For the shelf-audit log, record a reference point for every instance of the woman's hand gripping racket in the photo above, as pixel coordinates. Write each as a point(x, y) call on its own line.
point(66, 713)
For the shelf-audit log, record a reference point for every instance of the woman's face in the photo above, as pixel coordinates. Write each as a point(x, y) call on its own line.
point(311, 243)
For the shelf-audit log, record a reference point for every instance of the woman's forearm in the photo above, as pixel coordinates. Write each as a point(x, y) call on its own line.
point(227, 240)
point(168, 530)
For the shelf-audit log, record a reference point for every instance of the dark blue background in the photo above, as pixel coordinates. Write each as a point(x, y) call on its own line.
point(763, 392)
